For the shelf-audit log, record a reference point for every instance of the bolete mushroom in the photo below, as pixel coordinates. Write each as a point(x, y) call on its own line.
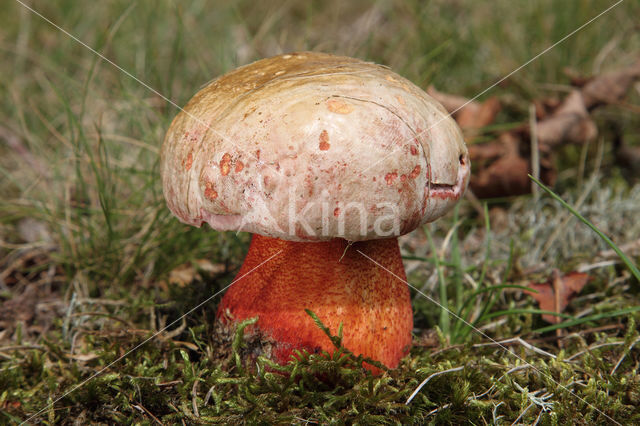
point(322, 158)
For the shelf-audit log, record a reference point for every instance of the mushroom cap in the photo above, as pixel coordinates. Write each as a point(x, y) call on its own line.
point(311, 146)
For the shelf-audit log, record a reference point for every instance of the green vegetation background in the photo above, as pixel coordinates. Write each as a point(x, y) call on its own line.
point(87, 246)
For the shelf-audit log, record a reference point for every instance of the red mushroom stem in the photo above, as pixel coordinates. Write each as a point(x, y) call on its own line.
point(334, 281)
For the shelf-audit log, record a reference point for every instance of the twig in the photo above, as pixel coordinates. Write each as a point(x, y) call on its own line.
point(99, 301)
point(557, 305)
point(592, 330)
point(424, 382)
point(448, 348)
point(207, 397)
point(522, 414)
point(21, 347)
point(194, 397)
point(631, 248)
point(173, 333)
point(435, 410)
point(538, 418)
point(171, 383)
point(519, 341)
point(494, 413)
point(510, 371)
point(587, 267)
point(624, 354)
point(141, 407)
point(540, 401)
point(602, 345)
point(535, 152)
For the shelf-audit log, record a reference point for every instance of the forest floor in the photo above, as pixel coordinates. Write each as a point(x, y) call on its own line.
point(96, 275)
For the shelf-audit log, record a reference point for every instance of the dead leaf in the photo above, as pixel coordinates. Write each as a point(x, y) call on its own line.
point(504, 176)
point(501, 170)
point(207, 266)
point(569, 123)
point(475, 115)
point(450, 102)
point(501, 167)
point(83, 357)
point(488, 151)
point(554, 294)
point(470, 115)
point(187, 345)
point(186, 273)
point(611, 87)
point(183, 274)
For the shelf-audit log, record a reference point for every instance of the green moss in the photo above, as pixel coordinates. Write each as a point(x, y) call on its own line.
point(90, 294)
point(171, 383)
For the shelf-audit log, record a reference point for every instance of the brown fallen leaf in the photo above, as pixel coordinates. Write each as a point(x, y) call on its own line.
point(501, 170)
point(501, 167)
point(471, 116)
point(544, 107)
point(188, 272)
point(473, 119)
point(182, 274)
point(569, 123)
point(207, 266)
point(611, 87)
point(554, 294)
point(505, 174)
point(491, 150)
point(452, 103)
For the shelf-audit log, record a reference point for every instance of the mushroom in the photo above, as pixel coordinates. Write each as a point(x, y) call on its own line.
point(326, 160)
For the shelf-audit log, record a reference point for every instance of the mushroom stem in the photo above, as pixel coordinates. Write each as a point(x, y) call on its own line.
point(372, 304)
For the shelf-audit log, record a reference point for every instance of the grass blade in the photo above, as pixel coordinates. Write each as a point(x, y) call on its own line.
point(590, 318)
point(444, 303)
point(630, 264)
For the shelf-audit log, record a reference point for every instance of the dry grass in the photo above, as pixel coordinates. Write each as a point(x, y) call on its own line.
point(87, 246)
